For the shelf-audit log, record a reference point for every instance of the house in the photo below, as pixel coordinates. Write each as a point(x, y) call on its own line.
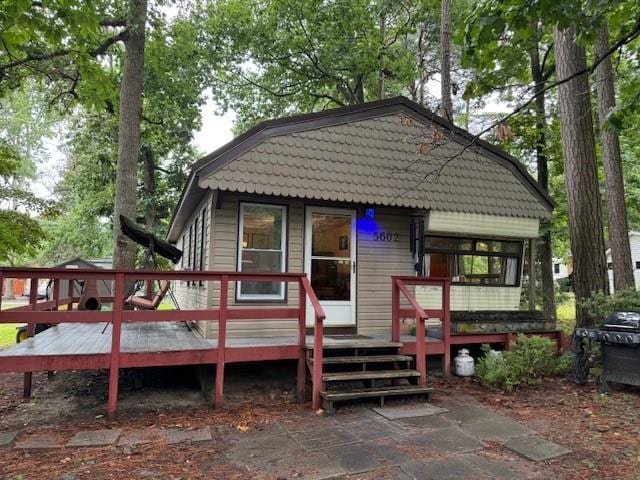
point(561, 268)
point(634, 243)
point(310, 239)
point(353, 196)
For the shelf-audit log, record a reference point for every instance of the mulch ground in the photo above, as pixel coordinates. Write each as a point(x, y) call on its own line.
point(602, 431)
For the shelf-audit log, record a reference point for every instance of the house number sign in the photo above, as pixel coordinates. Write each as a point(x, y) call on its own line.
point(386, 236)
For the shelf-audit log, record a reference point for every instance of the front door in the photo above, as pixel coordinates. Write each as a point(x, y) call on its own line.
point(330, 263)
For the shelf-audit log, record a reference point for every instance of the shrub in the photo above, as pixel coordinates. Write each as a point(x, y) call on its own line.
point(530, 359)
point(600, 305)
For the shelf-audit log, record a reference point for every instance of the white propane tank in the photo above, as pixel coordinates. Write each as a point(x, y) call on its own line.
point(464, 363)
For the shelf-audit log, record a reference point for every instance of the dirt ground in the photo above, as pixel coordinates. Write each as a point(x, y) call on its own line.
point(602, 431)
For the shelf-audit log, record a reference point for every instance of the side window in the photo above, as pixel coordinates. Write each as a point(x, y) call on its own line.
point(261, 248)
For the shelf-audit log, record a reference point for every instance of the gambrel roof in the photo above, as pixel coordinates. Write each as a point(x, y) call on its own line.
point(391, 152)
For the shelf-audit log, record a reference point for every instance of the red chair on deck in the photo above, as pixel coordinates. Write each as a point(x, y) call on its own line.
point(142, 303)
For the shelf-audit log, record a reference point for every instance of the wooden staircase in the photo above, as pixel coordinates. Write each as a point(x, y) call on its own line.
point(358, 368)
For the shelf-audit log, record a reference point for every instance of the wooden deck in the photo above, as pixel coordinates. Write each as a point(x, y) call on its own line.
point(91, 339)
point(141, 338)
point(95, 338)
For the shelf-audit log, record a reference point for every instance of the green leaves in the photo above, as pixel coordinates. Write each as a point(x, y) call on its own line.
point(285, 56)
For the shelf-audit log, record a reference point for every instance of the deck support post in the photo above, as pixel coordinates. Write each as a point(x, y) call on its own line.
point(532, 274)
point(318, 358)
point(218, 399)
point(446, 328)
point(302, 320)
point(114, 357)
point(31, 331)
point(421, 354)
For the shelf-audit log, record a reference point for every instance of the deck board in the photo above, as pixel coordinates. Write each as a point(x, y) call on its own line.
point(88, 339)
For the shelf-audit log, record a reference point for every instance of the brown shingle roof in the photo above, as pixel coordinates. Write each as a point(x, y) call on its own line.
point(368, 154)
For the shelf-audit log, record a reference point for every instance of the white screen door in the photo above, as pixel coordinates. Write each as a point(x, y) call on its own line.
point(330, 263)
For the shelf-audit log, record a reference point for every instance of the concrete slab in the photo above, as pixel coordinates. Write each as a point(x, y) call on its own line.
point(450, 468)
point(178, 435)
point(408, 411)
point(331, 439)
point(536, 448)
point(139, 437)
point(427, 423)
point(498, 469)
point(94, 438)
point(442, 441)
point(498, 430)
point(465, 414)
point(39, 442)
point(7, 438)
point(258, 450)
point(366, 456)
point(296, 464)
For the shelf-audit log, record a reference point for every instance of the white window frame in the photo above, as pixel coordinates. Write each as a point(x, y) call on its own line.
point(283, 248)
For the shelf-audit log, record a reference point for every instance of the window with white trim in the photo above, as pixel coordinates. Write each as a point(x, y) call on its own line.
point(262, 247)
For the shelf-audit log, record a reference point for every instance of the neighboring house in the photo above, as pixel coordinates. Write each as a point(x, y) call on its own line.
point(104, 288)
point(634, 243)
point(561, 269)
point(342, 195)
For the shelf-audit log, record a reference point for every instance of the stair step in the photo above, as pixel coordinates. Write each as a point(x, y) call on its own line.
point(377, 392)
point(369, 375)
point(365, 359)
point(356, 343)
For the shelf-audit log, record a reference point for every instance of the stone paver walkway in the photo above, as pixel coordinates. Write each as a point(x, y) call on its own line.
point(406, 442)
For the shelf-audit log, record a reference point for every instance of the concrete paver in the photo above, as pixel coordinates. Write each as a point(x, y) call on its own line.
point(42, 441)
point(498, 429)
point(178, 435)
point(7, 438)
point(536, 448)
point(94, 438)
point(139, 437)
point(408, 411)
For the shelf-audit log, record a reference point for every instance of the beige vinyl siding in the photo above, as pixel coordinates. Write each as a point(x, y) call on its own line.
point(377, 262)
point(460, 223)
point(194, 296)
point(225, 247)
point(469, 298)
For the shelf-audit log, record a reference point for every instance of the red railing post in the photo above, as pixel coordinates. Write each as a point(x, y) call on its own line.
point(446, 326)
point(421, 354)
point(1, 287)
point(222, 340)
point(31, 331)
point(56, 293)
point(318, 382)
point(70, 294)
point(302, 328)
point(395, 311)
point(114, 357)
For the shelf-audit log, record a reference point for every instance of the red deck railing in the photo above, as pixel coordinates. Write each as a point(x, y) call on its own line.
point(50, 312)
point(398, 286)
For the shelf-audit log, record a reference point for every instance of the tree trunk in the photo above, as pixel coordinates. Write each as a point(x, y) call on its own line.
point(383, 20)
point(580, 172)
point(545, 254)
point(446, 108)
point(618, 227)
point(124, 251)
point(149, 179)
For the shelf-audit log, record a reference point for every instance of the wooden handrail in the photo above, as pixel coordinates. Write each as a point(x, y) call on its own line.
point(318, 348)
point(420, 313)
point(399, 284)
point(50, 312)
